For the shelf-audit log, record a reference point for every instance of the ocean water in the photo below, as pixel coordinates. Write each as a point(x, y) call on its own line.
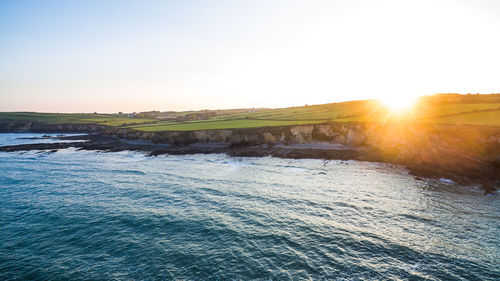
point(85, 215)
point(26, 138)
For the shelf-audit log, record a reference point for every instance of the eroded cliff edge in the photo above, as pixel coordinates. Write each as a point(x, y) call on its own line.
point(462, 153)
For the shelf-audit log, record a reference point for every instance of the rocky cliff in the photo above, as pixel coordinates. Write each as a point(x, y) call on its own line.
point(38, 127)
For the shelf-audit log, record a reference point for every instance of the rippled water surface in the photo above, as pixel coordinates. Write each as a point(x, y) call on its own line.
point(27, 138)
point(90, 215)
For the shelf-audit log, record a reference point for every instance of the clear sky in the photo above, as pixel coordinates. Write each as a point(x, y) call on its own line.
point(108, 56)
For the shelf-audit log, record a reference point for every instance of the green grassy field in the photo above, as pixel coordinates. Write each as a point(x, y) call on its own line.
point(220, 124)
point(80, 118)
point(479, 110)
point(491, 118)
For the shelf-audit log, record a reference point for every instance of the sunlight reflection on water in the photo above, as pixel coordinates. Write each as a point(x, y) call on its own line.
point(90, 215)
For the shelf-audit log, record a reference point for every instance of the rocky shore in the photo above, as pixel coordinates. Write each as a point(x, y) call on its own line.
point(464, 154)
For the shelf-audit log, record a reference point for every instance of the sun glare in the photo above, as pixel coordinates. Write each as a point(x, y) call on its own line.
point(399, 103)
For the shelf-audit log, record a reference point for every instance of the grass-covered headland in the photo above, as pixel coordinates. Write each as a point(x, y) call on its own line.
point(477, 110)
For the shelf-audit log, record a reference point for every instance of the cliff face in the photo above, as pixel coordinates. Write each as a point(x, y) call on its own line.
point(347, 134)
point(404, 139)
point(473, 152)
point(37, 127)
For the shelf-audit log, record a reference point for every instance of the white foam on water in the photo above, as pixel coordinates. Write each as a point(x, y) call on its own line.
point(446, 181)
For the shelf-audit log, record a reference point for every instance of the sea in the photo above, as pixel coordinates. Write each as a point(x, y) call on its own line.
point(90, 215)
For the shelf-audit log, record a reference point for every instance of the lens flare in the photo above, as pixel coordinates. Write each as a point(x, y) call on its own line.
point(399, 103)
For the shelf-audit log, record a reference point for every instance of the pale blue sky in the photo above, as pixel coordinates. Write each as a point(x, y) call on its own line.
point(108, 56)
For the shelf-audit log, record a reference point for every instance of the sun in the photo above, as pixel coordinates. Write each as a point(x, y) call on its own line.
point(399, 103)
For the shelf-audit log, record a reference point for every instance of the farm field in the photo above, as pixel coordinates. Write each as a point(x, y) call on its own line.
point(218, 124)
point(491, 118)
point(477, 110)
point(80, 118)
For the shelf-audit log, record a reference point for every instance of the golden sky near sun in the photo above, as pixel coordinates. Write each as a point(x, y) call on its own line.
point(110, 56)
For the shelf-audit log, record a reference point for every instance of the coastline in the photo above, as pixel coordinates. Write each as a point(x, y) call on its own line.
point(487, 179)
